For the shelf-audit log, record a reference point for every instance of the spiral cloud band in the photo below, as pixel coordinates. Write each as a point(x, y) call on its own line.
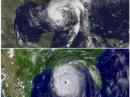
point(71, 22)
point(67, 79)
point(57, 16)
point(72, 77)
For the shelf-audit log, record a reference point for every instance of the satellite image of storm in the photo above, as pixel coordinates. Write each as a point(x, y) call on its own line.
point(65, 73)
point(65, 24)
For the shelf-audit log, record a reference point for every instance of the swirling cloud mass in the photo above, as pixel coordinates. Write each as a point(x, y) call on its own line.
point(69, 16)
point(72, 78)
point(73, 21)
point(68, 80)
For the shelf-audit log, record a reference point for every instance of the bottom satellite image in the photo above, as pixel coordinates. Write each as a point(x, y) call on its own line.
point(65, 73)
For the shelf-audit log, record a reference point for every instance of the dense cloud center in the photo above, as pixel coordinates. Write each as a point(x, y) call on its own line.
point(57, 16)
point(68, 81)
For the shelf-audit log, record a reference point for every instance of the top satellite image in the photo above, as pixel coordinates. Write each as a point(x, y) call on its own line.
point(65, 23)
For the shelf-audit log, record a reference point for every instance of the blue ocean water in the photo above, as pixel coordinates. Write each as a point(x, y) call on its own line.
point(29, 28)
point(29, 24)
point(42, 85)
point(61, 38)
point(114, 69)
point(113, 66)
point(109, 20)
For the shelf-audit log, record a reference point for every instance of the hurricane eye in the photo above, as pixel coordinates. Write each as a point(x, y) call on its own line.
point(66, 82)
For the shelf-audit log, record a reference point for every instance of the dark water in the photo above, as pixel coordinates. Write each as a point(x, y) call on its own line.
point(114, 69)
point(111, 20)
point(60, 40)
point(26, 32)
point(107, 20)
point(42, 85)
point(29, 23)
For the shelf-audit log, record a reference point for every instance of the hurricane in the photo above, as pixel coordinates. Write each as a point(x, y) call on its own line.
point(66, 19)
point(74, 23)
point(73, 76)
point(70, 79)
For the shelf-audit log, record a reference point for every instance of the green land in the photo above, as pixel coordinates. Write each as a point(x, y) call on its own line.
point(19, 71)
